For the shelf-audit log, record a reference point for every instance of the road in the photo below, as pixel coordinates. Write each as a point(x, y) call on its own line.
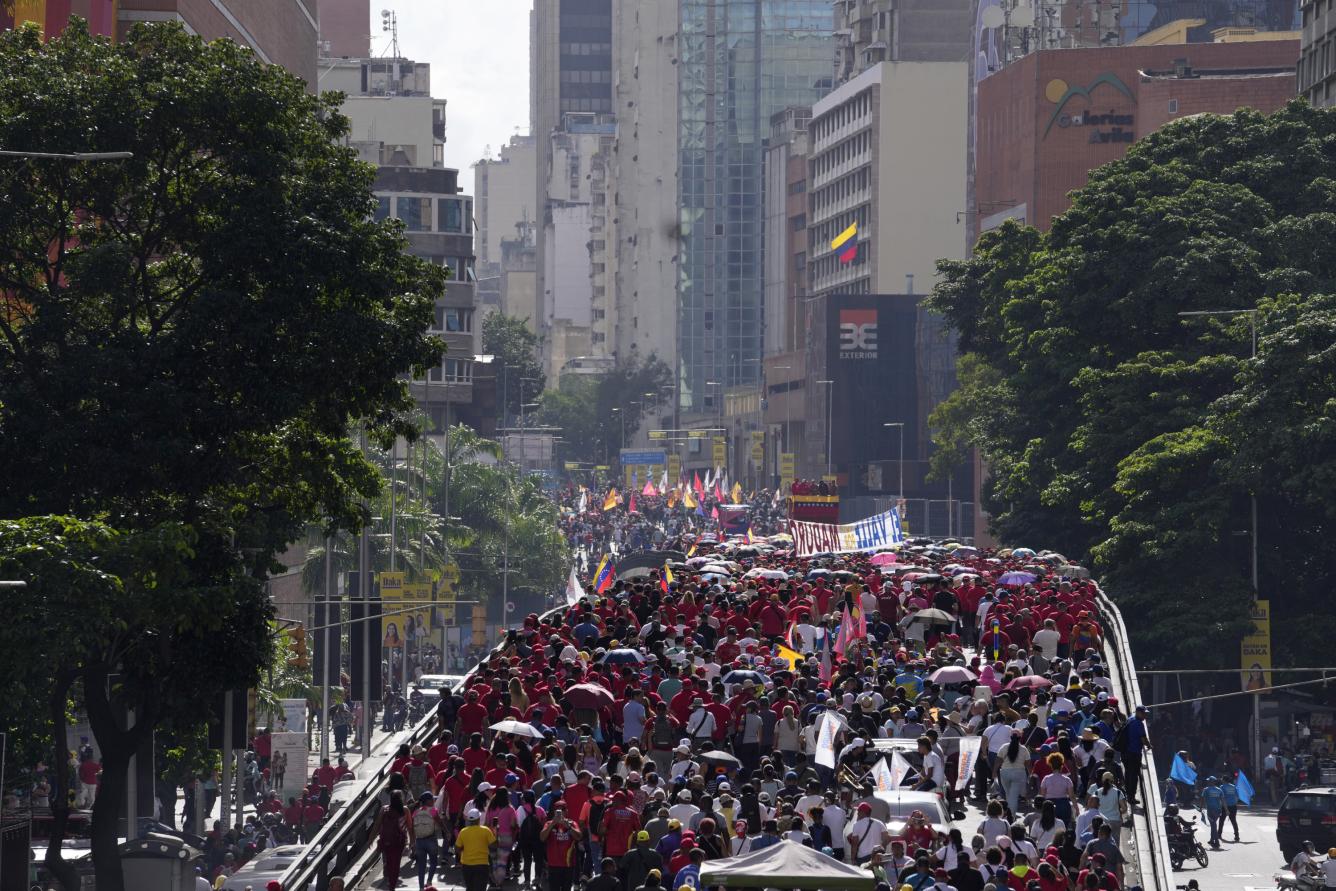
point(1249, 864)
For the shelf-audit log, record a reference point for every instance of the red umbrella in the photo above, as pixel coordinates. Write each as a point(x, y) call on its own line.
point(1033, 681)
point(588, 696)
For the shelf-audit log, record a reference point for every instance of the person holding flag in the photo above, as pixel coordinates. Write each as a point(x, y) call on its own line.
point(604, 575)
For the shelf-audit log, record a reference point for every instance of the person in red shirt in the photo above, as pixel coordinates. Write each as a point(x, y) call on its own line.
point(620, 824)
point(577, 794)
point(325, 775)
point(728, 649)
point(313, 816)
point(271, 804)
point(292, 814)
point(474, 755)
point(472, 716)
point(560, 836)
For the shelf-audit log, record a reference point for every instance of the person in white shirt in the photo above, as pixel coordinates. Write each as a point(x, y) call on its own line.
point(933, 773)
point(812, 799)
point(865, 833)
point(700, 726)
point(834, 819)
point(1328, 869)
point(1046, 640)
point(684, 810)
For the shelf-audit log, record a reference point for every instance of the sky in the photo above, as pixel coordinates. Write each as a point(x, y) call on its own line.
point(479, 55)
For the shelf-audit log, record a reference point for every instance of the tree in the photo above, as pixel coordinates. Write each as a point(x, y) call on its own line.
point(592, 410)
point(1115, 429)
point(519, 366)
point(187, 334)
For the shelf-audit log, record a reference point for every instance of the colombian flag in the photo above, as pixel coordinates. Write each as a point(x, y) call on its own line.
point(610, 501)
point(851, 252)
point(603, 575)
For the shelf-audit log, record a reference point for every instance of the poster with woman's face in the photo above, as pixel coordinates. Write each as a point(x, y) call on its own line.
point(392, 639)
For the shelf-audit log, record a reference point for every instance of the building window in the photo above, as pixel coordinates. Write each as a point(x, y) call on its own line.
point(382, 207)
point(799, 222)
point(415, 212)
point(454, 320)
point(468, 216)
point(453, 371)
point(451, 215)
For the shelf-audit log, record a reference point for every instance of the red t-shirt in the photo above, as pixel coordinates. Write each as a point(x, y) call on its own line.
point(313, 813)
point(292, 815)
point(561, 845)
point(88, 771)
point(325, 776)
point(620, 824)
point(472, 718)
point(475, 758)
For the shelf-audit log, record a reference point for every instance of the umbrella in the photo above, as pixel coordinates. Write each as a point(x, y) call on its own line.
point(745, 674)
point(911, 576)
point(518, 728)
point(952, 674)
point(1022, 552)
point(637, 572)
point(623, 656)
point(717, 568)
point(966, 551)
point(588, 696)
point(785, 865)
point(930, 577)
point(1016, 578)
point(1031, 681)
point(718, 758)
point(699, 561)
point(883, 559)
point(773, 574)
point(816, 573)
point(1071, 570)
point(933, 617)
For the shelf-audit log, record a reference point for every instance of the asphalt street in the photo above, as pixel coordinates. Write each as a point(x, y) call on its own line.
point(1250, 863)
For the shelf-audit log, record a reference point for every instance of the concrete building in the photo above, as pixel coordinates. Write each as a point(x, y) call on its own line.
point(1047, 120)
point(1317, 67)
point(571, 64)
point(345, 28)
point(645, 167)
point(873, 31)
point(282, 32)
point(786, 304)
point(504, 189)
point(397, 125)
point(52, 15)
point(888, 156)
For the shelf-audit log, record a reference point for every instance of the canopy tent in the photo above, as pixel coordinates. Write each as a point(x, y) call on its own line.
point(785, 865)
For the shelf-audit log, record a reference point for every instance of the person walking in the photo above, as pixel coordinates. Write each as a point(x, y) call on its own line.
point(1131, 742)
point(1231, 807)
point(1213, 797)
point(427, 824)
point(475, 844)
point(393, 837)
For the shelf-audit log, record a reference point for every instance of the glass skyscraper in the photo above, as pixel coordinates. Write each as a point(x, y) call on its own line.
point(741, 61)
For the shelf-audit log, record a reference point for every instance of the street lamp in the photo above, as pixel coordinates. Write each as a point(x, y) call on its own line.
point(830, 402)
point(70, 156)
point(901, 425)
point(1252, 324)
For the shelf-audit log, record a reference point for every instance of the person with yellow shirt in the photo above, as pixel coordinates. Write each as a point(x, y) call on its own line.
point(475, 844)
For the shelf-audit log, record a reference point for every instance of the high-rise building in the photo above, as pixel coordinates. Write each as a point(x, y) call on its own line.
point(283, 32)
point(647, 229)
point(571, 74)
point(504, 189)
point(398, 126)
point(345, 28)
point(1317, 72)
point(738, 65)
point(872, 31)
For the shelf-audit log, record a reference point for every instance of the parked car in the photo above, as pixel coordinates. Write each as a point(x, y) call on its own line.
point(1307, 814)
point(266, 867)
point(432, 685)
point(894, 808)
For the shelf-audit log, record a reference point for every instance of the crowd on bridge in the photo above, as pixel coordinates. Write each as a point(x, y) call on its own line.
point(861, 705)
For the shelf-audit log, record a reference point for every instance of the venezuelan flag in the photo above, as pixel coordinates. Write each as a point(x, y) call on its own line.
point(603, 575)
point(667, 578)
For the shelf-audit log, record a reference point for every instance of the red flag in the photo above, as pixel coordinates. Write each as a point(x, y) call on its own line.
point(715, 513)
point(632, 507)
point(718, 494)
point(700, 490)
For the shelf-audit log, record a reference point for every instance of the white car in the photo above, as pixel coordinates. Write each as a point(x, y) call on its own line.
point(432, 685)
point(894, 808)
point(267, 866)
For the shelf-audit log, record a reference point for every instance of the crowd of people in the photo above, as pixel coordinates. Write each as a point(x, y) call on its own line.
point(755, 698)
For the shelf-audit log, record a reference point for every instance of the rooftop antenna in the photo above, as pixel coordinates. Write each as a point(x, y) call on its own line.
point(389, 24)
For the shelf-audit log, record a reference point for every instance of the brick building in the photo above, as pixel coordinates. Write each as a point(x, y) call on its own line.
point(1048, 119)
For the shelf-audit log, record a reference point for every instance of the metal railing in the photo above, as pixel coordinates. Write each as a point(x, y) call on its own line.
point(1148, 831)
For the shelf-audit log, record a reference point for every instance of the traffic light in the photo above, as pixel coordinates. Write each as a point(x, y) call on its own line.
point(299, 658)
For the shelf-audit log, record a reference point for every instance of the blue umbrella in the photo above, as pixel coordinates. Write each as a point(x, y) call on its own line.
point(1017, 578)
point(623, 657)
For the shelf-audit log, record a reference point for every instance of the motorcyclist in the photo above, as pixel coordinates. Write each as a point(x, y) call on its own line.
point(1328, 869)
point(1305, 866)
point(1178, 829)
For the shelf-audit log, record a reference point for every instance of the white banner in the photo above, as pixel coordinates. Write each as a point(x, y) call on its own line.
point(881, 774)
point(880, 531)
point(294, 716)
point(899, 769)
point(825, 741)
point(965, 758)
point(296, 772)
point(573, 590)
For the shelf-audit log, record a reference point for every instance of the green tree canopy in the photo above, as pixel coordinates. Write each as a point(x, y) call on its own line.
point(1117, 429)
point(590, 410)
point(519, 366)
point(184, 337)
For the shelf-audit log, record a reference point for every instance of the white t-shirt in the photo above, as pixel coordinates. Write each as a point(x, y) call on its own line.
point(1328, 868)
point(807, 802)
point(865, 833)
point(950, 858)
point(933, 769)
point(1046, 642)
point(833, 819)
point(998, 737)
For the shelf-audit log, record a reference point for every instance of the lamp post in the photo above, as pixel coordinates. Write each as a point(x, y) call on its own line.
point(1257, 697)
point(830, 402)
point(901, 425)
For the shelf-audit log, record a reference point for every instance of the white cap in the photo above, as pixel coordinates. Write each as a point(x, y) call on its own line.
point(485, 787)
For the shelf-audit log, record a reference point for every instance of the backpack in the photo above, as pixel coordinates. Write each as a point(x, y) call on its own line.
point(596, 809)
point(424, 825)
point(530, 828)
point(391, 829)
point(417, 779)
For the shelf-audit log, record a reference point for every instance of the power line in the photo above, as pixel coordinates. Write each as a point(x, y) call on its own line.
point(1257, 692)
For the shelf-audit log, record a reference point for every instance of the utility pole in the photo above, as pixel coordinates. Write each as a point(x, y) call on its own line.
point(830, 403)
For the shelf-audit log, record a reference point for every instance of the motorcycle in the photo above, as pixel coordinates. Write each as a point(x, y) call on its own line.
point(1184, 845)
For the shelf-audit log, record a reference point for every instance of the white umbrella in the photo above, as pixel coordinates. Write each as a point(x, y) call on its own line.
point(517, 728)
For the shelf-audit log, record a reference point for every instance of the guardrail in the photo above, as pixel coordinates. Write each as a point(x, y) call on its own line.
point(1152, 842)
point(343, 845)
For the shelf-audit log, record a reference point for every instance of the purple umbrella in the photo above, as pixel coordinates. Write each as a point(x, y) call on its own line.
point(1016, 578)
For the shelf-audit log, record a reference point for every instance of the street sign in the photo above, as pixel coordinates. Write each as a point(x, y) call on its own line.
point(720, 452)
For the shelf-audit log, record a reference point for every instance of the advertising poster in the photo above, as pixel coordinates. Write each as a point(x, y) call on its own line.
point(1255, 650)
point(293, 719)
point(292, 749)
